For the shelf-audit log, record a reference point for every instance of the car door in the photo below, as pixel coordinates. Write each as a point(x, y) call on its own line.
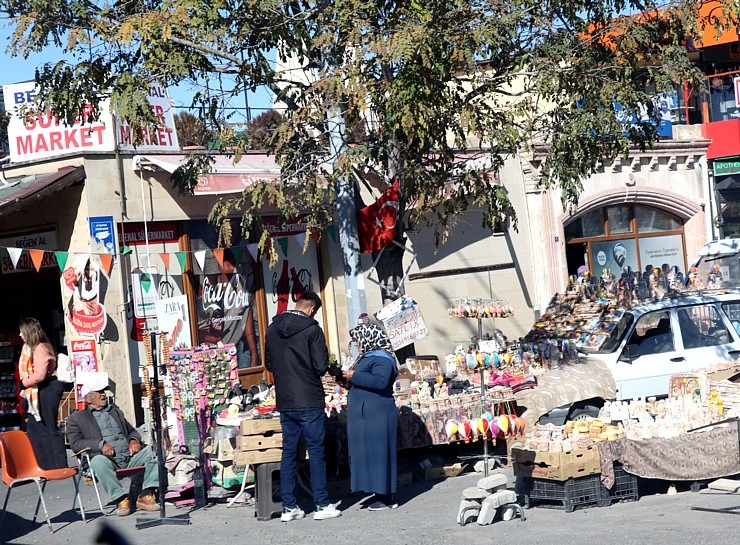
point(707, 335)
point(652, 353)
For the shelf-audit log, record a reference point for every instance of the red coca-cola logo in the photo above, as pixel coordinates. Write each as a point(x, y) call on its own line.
point(79, 346)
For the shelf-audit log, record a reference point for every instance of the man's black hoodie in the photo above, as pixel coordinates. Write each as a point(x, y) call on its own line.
point(297, 357)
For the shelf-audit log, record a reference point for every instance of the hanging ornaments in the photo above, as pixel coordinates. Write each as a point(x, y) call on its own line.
point(480, 308)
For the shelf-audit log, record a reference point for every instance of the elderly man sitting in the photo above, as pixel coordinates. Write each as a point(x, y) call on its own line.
point(114, 444)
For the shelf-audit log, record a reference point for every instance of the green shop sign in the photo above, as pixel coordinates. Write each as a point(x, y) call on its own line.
point(727, 167)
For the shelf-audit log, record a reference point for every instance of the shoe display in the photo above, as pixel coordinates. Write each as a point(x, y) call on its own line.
point(328, 512)
point(124, 508)
point(147, 503)
point(380, 506)
point(295, 513)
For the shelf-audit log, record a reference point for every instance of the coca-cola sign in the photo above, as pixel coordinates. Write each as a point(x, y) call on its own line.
point(78, 346)
point(223, 295)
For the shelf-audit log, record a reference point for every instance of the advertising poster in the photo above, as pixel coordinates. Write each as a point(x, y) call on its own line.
point(85, 314)
point(172, 318)
point(614, 255)
point(103, 232)
point(665, 250)
point(85, 361)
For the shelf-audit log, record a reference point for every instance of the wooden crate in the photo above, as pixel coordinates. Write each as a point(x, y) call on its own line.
point(270, 439)
point(260, 426)
point(249, 457)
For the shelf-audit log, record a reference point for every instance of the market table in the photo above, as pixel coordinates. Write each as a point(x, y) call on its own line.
point(708, 453)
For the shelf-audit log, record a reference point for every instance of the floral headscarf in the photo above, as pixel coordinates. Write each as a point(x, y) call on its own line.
point(370, 337)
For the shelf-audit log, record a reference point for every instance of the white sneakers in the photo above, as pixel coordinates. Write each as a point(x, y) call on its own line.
point(328, 512)
point(296, 513)
point(322, 513)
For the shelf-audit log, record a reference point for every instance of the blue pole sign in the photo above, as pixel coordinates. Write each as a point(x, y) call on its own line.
point(102, 230)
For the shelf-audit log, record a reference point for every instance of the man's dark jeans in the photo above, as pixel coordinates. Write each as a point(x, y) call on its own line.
point(310, 424)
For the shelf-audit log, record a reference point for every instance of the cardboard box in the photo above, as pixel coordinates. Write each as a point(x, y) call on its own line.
point(434, 473)
point(221, 450)
point(528, 469)
point(405, 479)
point(271, 439)
point(556, 466)
point(249, 457)
point(453, 470)
point(259, 426)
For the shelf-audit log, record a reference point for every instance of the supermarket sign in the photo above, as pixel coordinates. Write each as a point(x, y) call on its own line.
point(36, 135)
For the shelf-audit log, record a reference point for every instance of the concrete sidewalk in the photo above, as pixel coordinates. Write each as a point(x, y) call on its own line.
point(426, 516)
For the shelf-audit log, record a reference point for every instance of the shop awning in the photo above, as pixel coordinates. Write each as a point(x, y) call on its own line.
point(226, 176)
point(21, 191)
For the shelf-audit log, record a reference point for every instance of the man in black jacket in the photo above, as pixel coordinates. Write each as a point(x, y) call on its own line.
point(296, 354)
point(113, 443)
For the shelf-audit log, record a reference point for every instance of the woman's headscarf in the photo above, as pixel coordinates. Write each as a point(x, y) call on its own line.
point(370, 337)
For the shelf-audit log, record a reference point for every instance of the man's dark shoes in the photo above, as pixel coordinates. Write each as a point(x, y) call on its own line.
point(147, 503)
point(124, 507)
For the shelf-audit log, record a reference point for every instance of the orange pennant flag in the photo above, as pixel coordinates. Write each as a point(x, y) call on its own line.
point(218, 253)
point(37, 256)
point(106, 260)
point(165, 257)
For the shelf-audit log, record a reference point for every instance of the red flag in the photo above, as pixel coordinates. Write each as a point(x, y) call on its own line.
point(376, 224)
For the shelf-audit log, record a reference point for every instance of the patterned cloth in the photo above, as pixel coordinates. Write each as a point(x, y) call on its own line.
point(371, 337)
point(31, 394)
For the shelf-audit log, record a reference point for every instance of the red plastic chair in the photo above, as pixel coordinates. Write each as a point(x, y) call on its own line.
point(20, 467)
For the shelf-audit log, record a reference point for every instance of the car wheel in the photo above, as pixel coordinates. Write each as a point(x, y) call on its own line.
point(582, 413)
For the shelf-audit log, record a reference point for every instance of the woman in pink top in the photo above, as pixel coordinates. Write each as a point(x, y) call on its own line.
point(42, 393)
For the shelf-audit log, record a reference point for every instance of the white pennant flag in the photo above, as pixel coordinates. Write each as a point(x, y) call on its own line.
point(15, 255)
point(253, 250)
point(200, 257)
point(300, 240)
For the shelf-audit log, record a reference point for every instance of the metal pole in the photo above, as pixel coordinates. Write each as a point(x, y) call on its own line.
point(346, 222)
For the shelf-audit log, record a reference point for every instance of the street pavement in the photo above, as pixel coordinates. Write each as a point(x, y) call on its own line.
point(426, 516)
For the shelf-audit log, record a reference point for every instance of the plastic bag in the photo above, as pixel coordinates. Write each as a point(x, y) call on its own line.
point(65, 369)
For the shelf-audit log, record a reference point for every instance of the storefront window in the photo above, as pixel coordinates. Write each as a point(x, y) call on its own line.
point(620, 219)
point(593, 224)
point(651, 220)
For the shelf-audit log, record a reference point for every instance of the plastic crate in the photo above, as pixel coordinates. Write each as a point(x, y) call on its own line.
point(573, 493)
point(624, 489)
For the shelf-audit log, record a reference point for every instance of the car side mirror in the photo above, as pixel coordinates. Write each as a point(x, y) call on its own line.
point(630, 352)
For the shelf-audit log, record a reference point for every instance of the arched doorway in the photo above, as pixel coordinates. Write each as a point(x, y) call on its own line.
point(614, 237)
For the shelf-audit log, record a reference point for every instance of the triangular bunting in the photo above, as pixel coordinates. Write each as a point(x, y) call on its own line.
point(182, 259)
point(37, 256)
point(15, 255)
point(200, 258)
point(283, 241)
point(61, 259)
point(332, 233)
point(125, 250)
point(237, 252)
point(165, 257)
point(218, 253)
point(106, 260)
point(300, 239)
point(252, 249)
point(145, 279)
point(315, 237)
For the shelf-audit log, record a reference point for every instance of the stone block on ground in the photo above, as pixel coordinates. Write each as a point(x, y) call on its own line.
point(487, 511)
point(471, 508)
point(493, 483)
point(480, 465)
point(474, 493)
point(725, 485)
point(505, 496)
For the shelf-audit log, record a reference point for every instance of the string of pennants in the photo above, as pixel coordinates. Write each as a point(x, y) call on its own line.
point(106, 259)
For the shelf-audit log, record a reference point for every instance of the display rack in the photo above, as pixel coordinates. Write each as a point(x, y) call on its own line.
point(480, 309)
point(10, 413)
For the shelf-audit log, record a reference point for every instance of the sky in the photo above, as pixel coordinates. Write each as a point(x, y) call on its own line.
point(17, 70)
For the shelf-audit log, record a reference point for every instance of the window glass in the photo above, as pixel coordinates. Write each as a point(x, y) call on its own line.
point(702, 326)
point(574, 230)
point(615, 337)
point(593, 224)
point(733, 313)
point(653, 334)
point(620, 219)
point(650, 220)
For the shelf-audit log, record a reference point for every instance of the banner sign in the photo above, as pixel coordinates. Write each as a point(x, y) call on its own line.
point(403, 322)
point(161, 137)
point(220, 184)
point(42, 240)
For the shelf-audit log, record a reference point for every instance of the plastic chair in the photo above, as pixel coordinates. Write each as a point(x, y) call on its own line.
point(83, 459)
point(20, 467)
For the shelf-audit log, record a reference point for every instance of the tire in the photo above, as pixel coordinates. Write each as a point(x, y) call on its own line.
point(581, 413)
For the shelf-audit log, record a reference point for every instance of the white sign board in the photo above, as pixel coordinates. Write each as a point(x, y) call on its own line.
point(405, 327)
point(41, 135)
point(173, 318)
point(145, 282)
point(163, 136)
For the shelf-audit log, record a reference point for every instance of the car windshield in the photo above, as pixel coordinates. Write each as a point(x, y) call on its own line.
point(615, 337)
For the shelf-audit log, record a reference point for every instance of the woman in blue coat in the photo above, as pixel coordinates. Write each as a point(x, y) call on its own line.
point(372, 417)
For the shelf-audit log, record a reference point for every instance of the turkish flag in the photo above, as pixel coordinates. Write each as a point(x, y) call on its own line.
point(376, 224)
